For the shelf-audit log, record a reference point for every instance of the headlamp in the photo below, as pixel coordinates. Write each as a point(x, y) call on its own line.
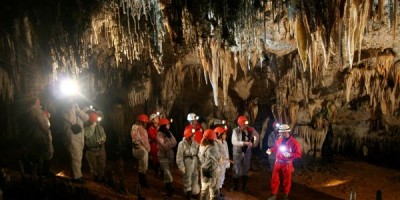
point(246, 122)
point(282, 148)
point(197, 117)
point(171, 120)
point(157, 113)
point(98, 119)
point(277, 125)
point(223, 121)
point(193, 130)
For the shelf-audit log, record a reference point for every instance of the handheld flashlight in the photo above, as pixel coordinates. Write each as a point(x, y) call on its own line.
point(282, 148)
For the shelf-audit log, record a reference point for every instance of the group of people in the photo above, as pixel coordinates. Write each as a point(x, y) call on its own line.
point(202, 154)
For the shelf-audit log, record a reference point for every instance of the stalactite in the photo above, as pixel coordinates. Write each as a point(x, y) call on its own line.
point(395, 16)
point(7, 88)
point(384, 62)
point(302, 39)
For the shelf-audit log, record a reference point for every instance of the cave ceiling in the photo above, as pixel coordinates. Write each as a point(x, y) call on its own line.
point(291, 53)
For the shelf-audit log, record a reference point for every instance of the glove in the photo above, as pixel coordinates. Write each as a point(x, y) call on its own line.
point(269, 152)
point(287, 154)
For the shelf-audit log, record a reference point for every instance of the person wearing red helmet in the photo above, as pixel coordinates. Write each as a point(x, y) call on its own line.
point(192, 118)
point(141, 146)
point(272, 138)
point(95, 138)
point(187, 161)
point(224, 162)
point(209, 156)
point(152, 131)
point(287, 149)
point(165, 144)
point(244, 138)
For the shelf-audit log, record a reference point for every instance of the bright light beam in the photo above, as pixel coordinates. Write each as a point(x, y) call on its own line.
point(69, 87)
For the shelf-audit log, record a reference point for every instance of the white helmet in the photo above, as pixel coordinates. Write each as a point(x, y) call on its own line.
point(191, 117)
point(153, 115)
point(284, 128)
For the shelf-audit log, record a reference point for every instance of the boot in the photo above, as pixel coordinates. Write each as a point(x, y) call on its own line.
point(168, 188)
point(142, 180)
point(285, 196)
point(273, 197)
point(235, 184)
point(188, 195)
point(244, 187)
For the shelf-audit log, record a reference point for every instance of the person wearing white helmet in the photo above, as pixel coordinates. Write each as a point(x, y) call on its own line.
point(152, 131)
point(287, 149)
point(194, 124)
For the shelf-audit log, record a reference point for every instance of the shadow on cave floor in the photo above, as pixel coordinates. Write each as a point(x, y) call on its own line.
point(259, 184)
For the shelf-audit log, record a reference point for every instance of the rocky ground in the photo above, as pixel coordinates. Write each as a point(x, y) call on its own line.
point(312, 179)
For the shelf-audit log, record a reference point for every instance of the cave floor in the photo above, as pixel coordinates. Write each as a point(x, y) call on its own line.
point(314, 180)
point(311, 180)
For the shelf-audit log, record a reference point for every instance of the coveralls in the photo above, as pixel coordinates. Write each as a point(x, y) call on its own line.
point(188, 161)
point(273, 136)
point(39, 146)
point(152, 131)
point(224, 161)
point(95, 138)
point(141, 147)
point(209, 157)
point(241, 153)
point(284, 165)
point(165, 145)
point(75, 142)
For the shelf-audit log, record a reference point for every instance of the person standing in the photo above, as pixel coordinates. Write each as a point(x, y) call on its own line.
point(194, 124)
point(141, 147)
point(152, 131)
point(75, 118)
point(38, 141)
point(209, 156)
point(95, 139)
point(165, 144)
point(244, 138)
point(272, 138)
point(224, 162)
point(287, 149)
point(187, 161)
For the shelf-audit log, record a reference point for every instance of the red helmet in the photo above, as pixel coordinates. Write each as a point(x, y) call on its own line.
point(143, 118)
point(93, 117)
point(242, 120)
point(188, 132)
point(163, 121)
point(219, 130)
point(209, 134)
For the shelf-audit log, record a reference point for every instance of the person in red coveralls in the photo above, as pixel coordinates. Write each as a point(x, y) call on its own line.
point(194, 124)
point(287, 149)
point(152, 131)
